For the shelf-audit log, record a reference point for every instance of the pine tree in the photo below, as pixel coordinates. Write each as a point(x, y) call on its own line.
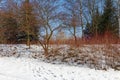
point(108, 20)
point(104, 22)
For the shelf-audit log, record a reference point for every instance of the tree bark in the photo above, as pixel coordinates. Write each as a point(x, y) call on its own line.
point(119, 16)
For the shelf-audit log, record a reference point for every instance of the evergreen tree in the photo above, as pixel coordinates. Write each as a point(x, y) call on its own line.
point(108, 21)
point(103, 22)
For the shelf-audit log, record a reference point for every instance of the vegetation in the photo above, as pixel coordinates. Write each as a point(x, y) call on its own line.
point(28, 22)
point(37, 21)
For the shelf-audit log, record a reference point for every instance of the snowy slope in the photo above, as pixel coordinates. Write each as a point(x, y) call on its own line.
point(31, 69)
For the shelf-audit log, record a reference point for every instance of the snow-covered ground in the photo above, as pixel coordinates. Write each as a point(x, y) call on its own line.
point(21, 65)
point(30, 69)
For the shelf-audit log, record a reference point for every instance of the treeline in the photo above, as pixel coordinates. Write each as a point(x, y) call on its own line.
point(26, 21)
point(106, 21)
point(18, 22)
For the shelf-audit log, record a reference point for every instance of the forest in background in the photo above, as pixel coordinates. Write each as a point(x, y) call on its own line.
point(52, 21)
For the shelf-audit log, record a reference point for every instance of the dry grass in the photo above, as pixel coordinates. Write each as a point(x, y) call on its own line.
point(104, 51)
point(104, 39)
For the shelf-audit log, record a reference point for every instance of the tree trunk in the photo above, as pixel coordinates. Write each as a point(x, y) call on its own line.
point(46, 52)
point(28, 39)
point(81, 19)
point(119, 16)
point(75, 38)
point(119, 26)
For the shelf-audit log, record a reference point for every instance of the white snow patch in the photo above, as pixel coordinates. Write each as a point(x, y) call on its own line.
point(31, 69)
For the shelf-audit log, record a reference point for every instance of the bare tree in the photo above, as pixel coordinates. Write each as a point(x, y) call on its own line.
point(81, 15)
point(28, 21)
point(119, 16)
point(72, 18)
point(47, 15)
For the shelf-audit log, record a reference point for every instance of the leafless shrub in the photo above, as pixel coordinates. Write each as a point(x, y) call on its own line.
point(94, 56)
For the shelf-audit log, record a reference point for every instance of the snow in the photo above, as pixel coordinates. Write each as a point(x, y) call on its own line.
point(30, 69)
point(23, 66)
point(22, 49)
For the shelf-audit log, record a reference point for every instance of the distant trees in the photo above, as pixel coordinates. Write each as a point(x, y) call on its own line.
point(105, 21)
point(72, 18)
point(18, 21)
point(28, 23)
point(109, 21)
point(92, 16)
point(8, 24)
point(37, 20)
point(93, 26)
point(11, 28)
